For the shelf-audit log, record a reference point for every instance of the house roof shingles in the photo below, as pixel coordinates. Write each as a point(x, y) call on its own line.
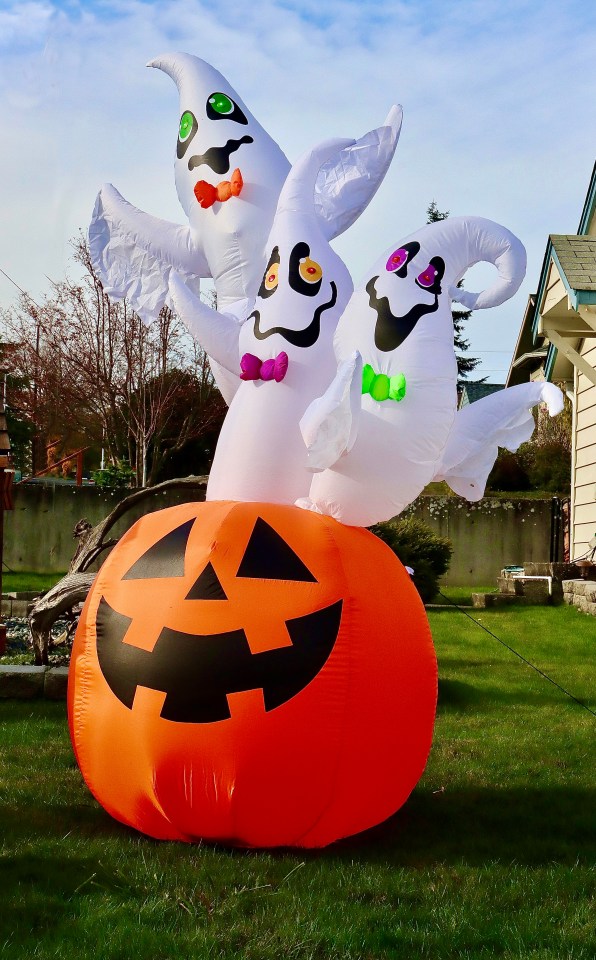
point(577, 257)
point(474, 390)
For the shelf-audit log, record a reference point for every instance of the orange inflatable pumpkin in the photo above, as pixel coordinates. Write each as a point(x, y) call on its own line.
point(254, 674)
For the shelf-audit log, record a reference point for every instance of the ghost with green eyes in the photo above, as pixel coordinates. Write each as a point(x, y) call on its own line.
point(229, 173)
point(370, 462)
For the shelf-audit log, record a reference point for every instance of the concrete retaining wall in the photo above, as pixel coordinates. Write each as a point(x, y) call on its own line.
point(38, 532)
point(486, 536)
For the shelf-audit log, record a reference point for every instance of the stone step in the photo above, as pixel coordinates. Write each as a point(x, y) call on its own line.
point(14, 608)
point(483, 600)
point(558, 571)
point(581, 594)
point(24, 683)
point(535, 589)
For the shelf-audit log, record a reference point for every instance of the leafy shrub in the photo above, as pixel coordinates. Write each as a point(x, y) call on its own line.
point(545, 467)
point(115, 476)
point(509, 473)
point(544, 462)
point(418, 547)
point(550, 468)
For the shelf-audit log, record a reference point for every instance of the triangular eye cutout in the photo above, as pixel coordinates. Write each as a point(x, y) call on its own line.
point(269, 557)
point(207, 586)
point(165, 558)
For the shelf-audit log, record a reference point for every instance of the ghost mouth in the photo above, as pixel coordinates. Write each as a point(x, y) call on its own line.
point(298, 338)
point(218, 158)
point(197, 672)
point(391, 331)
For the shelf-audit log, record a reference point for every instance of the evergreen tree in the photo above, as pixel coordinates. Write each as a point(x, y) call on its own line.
point(465, 365)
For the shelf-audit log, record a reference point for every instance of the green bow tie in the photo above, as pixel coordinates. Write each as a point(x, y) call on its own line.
point(381, 387)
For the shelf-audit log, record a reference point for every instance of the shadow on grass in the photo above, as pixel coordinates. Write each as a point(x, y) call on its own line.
point(472, 826)
point(456, 695)
point(40, 892)
point(479, 826)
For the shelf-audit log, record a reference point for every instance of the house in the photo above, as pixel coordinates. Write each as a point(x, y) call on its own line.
point(557, 342)
point(476, 390)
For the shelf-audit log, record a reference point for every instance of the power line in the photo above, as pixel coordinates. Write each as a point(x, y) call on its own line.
point(20, 289)
point(522, 658)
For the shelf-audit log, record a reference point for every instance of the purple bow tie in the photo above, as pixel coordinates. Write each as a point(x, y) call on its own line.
point(253, 369)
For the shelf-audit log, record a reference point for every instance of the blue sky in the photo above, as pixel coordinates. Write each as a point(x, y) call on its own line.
point(499, 101)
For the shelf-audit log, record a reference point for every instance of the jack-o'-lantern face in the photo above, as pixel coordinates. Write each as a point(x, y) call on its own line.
point(198, 670)
point(251, 673)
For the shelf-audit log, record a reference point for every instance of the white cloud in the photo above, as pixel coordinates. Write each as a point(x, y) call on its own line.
point(496, 122)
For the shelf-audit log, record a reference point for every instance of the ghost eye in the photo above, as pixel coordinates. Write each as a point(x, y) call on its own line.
point(222, 107)
point(310, 270)
point(427, 277)
point(186, 124)
point(397, 259)
point(430, 278)
point(305, 275)
point(186, 131)
point(221, 103)
point(272, 277)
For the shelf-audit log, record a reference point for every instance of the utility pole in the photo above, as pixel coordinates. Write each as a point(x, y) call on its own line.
point(6, 476)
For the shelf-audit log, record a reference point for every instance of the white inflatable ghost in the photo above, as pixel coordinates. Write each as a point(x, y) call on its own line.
point(229, 173)
point(283, 351)
point(375, 459)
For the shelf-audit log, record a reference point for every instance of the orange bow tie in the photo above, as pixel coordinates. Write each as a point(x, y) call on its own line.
point(207, 194)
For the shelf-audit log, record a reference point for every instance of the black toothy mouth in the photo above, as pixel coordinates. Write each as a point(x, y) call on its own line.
point(197, 672)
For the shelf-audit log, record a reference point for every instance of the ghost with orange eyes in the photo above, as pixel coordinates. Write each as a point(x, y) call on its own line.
point(282, 348)
point(369, 464)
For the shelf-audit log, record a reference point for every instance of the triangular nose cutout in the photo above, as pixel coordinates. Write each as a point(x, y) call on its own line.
point(269, 557)
point(165, 558)
point(207, 586)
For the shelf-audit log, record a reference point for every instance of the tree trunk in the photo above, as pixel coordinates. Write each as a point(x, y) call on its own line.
point(74, 587)
point(71, 590)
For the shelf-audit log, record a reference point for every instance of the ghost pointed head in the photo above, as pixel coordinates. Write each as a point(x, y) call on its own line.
point(306, 286)
point(221, 149)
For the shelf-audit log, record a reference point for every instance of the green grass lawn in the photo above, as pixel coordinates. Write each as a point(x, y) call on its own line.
point(26, 580)
point(493, 855)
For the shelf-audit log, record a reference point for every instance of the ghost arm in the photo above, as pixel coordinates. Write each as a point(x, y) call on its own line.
point(218, 333)
point(330, 424)
point(134, 253)
point(348, 181)
point(502, 420)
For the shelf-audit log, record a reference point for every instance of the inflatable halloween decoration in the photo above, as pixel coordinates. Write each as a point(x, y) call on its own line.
point(375, 458)
point(245, 670)
point(279, 692)
point(283, 349)
point(229, 173)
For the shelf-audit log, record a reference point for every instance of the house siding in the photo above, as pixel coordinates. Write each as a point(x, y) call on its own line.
point(584, 460)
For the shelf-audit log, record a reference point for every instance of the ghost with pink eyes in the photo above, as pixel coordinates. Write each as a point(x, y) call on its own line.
point(371, 459)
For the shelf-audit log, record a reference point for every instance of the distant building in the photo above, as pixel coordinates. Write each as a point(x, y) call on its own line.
point(471, 391)
point(557, 342)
